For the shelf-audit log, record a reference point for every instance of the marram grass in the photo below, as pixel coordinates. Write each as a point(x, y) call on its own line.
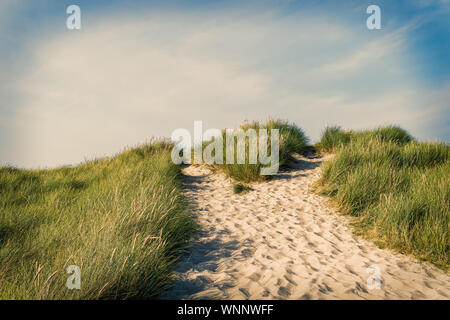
point(292, 139)
point(334, 137)
point(239, 188)
point(121, 220)
point(397, 187)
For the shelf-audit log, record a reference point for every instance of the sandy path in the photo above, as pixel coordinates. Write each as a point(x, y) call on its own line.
point(280, 241)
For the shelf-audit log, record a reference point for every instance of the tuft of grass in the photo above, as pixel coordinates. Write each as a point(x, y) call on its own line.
point(240, 188)
point(397, 187)
point(121, 220)
point(292, 140)
point(334, 137)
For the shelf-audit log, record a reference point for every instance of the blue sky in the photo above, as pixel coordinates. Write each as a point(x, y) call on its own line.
point(138, 69)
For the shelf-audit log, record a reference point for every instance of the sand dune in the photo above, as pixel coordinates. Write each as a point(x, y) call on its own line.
point(281, 241)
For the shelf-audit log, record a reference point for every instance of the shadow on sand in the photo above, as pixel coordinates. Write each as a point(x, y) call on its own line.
point(204, 255)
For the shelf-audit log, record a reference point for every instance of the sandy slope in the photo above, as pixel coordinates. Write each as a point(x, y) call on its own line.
point(280, 241)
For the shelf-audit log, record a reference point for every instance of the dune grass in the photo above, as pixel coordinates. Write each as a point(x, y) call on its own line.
point(121, 220)
point(397, 187)
point(292, 139)
point(334, 137)
point(239, 188)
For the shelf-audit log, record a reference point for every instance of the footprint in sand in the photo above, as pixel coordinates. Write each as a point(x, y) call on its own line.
point(281, 229)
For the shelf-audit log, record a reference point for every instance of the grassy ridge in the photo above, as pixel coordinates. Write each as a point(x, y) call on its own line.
point(334, 137)
point(121, 220)
point(292, 140)
point(396, 186)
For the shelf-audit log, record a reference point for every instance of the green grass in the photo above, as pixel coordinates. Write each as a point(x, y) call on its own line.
point(334, 137)
point(397, 187)
point(122, 220)
point(292, 140)
point(240, 188)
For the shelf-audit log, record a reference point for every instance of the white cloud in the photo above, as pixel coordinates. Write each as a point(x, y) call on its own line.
point(124, 80)
point(366, 55)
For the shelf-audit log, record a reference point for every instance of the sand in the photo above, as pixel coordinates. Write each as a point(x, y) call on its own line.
point(281, 241)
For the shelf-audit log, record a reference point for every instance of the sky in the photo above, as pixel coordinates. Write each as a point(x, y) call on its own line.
point(141, 69)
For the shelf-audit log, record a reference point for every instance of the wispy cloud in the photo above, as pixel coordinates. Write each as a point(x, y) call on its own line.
point(367, 54)
point(125, 79)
